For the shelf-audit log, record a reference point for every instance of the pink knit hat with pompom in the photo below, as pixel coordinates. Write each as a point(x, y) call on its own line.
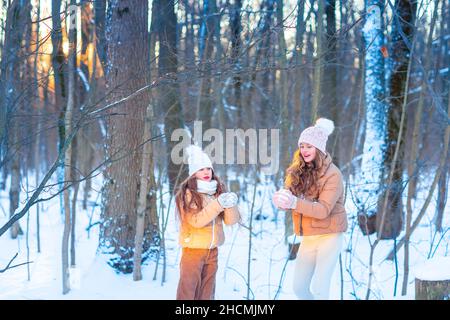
point(317, 135)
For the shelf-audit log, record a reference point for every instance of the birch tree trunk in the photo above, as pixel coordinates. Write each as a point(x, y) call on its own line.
point(68, 154)
point(14, 189)
point(376, 116)
point(74, 176)
point(37, 160)
point(147, 178)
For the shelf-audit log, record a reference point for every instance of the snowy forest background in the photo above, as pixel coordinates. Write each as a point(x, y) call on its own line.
point(89, 99)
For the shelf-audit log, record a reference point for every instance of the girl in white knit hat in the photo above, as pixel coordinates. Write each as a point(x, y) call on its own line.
point(314, 191)
point(203, 206)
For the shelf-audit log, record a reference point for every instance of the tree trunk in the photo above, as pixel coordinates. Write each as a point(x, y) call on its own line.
point(85, 145)
point(74, 177)
point(284, 111)
point(412, 164)
point(432, 290)
point(146, 206)
point(207, 31)
point(68, 154)
point(167, 68)
point(59, 76)
point(330, 107)
point(12, 87)
point(14, 190)
point(376, 116)
point(298, 58)
point(58, 63)
point(147, 180)
point(390, 222)
point(440, 168)
point(317, 91)
point(236, 46)
point(37, 159)
point(100, 31)
point(87, 151)
point(442, 197)
point(263, 34)
point(127, 72)
point(189, 42)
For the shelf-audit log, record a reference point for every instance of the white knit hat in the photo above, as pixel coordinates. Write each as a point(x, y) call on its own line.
point(197, 159)
point(318, 134)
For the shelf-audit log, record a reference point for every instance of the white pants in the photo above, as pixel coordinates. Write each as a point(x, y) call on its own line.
point(314, 266)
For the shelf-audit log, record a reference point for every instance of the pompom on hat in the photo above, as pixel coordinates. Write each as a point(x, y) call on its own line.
point(317, 135)
point(197, 159)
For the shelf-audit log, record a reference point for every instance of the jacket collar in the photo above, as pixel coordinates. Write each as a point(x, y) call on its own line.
point(326, 164)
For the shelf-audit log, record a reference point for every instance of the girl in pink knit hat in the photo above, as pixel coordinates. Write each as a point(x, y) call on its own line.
point(314, 191)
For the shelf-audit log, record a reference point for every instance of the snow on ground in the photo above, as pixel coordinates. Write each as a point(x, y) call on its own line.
point(94, 279)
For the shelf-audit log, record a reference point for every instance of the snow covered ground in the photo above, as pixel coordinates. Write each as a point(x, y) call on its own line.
point(94, 279)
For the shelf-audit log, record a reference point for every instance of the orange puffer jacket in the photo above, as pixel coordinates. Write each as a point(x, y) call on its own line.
point(322, 211)
point(203, 229)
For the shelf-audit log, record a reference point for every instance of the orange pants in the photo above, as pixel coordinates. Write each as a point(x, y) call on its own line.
point(198, 268)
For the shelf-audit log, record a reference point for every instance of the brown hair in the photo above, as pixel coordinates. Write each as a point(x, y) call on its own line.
point(196, 199)
point(302, 177)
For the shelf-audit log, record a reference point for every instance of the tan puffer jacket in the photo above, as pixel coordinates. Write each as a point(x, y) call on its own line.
point(322, 211)
point(204, 229)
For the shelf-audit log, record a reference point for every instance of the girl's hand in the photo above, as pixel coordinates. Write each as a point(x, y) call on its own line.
point(228, 199)
point(284, 199)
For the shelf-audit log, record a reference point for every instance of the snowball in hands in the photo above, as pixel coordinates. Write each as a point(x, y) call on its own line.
point(284, 199)
point(228, 199)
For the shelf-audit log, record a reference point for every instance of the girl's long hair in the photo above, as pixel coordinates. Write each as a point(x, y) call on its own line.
point(302, 177)
point(196, 199)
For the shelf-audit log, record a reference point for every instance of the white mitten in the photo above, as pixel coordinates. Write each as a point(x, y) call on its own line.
point(228, 199)
point(284, 199)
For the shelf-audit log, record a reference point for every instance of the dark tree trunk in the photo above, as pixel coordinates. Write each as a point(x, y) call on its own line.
point(100, 31)
point(169, 103)
point(261, 59)
point(207, 31)
point(127, 72)
point(59, 67)
point(402, 35)
point(13, 85)
point(236, 46)
point(330, 103)
point(298, 60)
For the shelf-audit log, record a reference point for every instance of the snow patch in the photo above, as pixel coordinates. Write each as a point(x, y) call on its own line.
point(435, 269)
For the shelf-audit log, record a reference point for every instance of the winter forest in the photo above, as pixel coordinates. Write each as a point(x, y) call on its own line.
point(96, 96)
